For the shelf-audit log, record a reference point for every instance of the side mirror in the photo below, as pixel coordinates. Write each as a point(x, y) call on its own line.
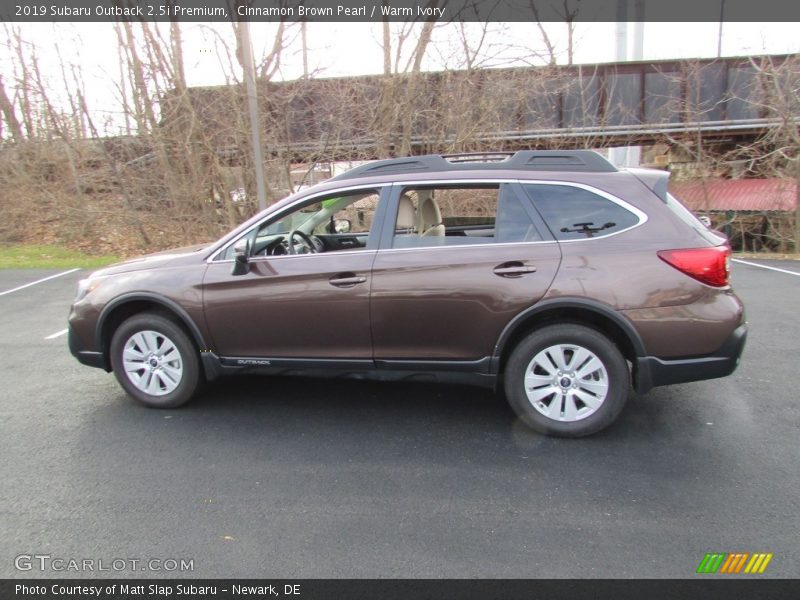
point(241, 256)
point(342, 226)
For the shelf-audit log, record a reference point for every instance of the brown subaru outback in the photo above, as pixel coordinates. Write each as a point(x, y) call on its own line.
point(553, 274)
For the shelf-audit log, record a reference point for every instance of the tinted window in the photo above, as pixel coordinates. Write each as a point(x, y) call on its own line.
point(684, 214)
point(513, 224)
point(460, 215)
point(573, 213)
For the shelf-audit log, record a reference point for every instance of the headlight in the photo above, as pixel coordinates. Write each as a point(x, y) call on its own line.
point(84, 287)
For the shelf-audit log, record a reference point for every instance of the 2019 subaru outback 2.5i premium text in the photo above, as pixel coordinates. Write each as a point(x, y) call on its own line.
point(551, 273)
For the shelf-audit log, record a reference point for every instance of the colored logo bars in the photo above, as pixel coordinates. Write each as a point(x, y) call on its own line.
point(732, 563)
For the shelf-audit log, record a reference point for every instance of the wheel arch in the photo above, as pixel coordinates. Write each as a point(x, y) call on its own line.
point(569, 310)
point(123, 307)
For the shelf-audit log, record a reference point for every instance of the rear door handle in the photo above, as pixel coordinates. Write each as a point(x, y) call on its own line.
point(513, 269)
point(346, 280)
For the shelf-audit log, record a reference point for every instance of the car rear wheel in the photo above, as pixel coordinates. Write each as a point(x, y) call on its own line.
point(567, 380)
point(155, 361)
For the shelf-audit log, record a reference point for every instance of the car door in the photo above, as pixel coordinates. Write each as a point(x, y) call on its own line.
point(296, 306)
point(445, 291)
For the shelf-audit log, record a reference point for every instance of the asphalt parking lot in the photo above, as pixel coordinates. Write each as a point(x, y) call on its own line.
point(297, 478)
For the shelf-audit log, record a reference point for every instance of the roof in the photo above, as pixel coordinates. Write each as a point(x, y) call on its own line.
point(523, 160)
point(779, 195)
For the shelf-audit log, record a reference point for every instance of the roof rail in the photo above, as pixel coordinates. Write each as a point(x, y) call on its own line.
point(477, 157)
point(524, 160)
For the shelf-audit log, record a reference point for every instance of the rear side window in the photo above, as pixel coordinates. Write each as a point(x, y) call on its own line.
point(458, 215)
point(573, 213)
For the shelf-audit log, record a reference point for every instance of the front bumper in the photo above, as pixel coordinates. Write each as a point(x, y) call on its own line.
point(652, 372)
point(85, 357)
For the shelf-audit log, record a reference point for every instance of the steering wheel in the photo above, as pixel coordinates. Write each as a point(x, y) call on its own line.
point(304, 238)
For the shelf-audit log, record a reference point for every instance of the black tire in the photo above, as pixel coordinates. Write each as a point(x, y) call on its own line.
point(191, 375)
point(616, 377)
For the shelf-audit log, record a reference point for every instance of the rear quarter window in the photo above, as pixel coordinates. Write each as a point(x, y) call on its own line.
point(574, 213)
point(680, 210)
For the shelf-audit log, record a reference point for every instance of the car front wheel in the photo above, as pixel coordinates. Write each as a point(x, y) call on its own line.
point(567, 380)
point(155, 361)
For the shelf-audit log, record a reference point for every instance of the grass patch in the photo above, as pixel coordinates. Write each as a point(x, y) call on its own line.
point(49, 257)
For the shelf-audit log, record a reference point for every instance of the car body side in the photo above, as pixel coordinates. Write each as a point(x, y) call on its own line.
point(670, 327)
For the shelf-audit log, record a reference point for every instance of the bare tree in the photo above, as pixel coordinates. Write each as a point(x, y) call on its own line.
point(551, 51)
point(780, 147)
point(8, 114)
point(186, 171)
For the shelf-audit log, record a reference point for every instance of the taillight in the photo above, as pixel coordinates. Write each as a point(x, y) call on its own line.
point(708, 265)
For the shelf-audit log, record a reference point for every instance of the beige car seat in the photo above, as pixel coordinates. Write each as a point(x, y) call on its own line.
point(406, 215)
point(429, 219)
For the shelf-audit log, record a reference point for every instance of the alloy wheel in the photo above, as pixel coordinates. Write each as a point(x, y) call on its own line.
point(566, 382)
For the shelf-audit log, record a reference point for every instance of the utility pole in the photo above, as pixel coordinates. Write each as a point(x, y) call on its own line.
point(638, 30)
point(628, 156)
point(621, 46)
point(721, 20)
point(252, 107)
point(619, 155)
point(305, 49)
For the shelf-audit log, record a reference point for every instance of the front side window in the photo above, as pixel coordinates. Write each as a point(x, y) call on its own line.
point(354, 216)
point(460, 215)
point(331, 223)
point(573, 213)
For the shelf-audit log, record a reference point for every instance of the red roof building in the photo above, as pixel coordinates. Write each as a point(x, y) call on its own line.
point(741, 195)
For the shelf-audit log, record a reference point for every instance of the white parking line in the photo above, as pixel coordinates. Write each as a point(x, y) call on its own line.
point(57, 334)
point(744, 262)
point(22, 287)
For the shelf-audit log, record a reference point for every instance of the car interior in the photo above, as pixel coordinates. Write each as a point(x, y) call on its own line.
point(443, 216)
point(330, 225)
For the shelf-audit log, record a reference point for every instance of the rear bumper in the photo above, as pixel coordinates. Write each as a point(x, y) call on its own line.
point(652, 372)
point(85, 357)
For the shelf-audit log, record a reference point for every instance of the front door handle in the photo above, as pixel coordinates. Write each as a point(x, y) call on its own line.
point(346, 280)
point(513, 269)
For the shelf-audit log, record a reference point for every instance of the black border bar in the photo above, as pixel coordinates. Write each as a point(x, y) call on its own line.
point(401, 10)
point(705, 587)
